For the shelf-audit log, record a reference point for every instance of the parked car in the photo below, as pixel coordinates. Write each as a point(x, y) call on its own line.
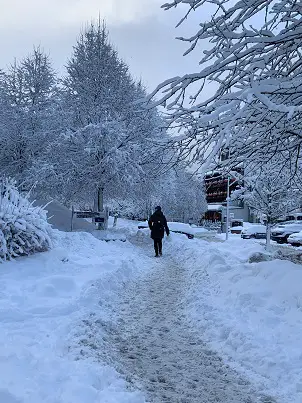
point(281, 233)
point(254, 231)
point(178, 228)
point(236, 226)
point(295, 239)
point(143, 225)
point(181, 228)
point(294, 217)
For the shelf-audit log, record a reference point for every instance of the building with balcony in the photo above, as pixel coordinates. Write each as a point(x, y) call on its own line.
point(216, 185)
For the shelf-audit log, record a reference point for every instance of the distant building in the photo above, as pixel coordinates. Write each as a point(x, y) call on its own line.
point(216, 184)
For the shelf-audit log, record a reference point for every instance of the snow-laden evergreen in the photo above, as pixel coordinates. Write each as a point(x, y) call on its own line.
point(23, 228)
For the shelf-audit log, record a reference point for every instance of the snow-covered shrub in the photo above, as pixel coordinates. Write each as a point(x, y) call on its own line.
point(292, 255)
point(258, 257)
point(23, 228)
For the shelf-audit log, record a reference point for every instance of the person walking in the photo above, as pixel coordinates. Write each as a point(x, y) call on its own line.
point(158, 225)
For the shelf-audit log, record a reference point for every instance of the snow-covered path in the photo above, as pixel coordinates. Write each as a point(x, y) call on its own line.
point(153, 347)
point(74, 315)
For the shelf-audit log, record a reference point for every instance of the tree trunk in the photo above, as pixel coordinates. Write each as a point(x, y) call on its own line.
point(100, 199)
point(99, 205)
point(268, 235)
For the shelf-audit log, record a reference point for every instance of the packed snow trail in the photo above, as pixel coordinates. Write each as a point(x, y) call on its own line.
point(154, 349)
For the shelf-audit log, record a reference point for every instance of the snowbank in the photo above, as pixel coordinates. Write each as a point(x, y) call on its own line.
point(250, 313)
point(45, 299)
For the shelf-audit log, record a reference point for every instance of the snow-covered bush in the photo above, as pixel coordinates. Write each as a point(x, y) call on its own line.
point(23, 228)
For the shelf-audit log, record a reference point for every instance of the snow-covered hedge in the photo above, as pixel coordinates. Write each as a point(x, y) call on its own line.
point(23, 228)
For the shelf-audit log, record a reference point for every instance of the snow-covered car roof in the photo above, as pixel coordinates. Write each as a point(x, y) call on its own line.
point(287, 222)
point(291, 227)
point(237, 228)
point(181, 227)
point(260, 229)
point(178, 227)
point(296, 236)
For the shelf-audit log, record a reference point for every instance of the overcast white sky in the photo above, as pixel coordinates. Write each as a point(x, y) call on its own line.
point(142, 32)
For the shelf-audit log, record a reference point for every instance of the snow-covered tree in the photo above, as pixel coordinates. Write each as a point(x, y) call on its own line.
point(98, 85)
point(182, 196)
point(23, 228)
point(246, 94)
point(91, 158)
point(107, 138)
point(270, 191)
point(27, 119)
point(88, 134)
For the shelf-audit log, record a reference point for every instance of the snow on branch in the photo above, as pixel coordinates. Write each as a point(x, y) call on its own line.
point(254, 68)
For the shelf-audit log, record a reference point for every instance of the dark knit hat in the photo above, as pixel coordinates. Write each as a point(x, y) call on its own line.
point(157, 208)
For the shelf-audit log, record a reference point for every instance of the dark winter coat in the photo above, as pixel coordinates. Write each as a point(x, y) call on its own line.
point(158, 225)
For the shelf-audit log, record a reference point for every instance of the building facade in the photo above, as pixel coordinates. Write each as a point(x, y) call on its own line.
point(216, 185)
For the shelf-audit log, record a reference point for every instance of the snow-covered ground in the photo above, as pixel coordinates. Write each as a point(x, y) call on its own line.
point(159, 353)
point(44, 300)
point(250, 313)
point(64, 325)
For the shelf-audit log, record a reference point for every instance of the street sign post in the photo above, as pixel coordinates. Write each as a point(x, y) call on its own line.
point(99, 217)
point(86, 214)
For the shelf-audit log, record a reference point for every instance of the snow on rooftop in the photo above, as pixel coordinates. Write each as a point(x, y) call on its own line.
point(214, 207)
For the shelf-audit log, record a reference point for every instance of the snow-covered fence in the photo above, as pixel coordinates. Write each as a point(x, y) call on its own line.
point(23, 228)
